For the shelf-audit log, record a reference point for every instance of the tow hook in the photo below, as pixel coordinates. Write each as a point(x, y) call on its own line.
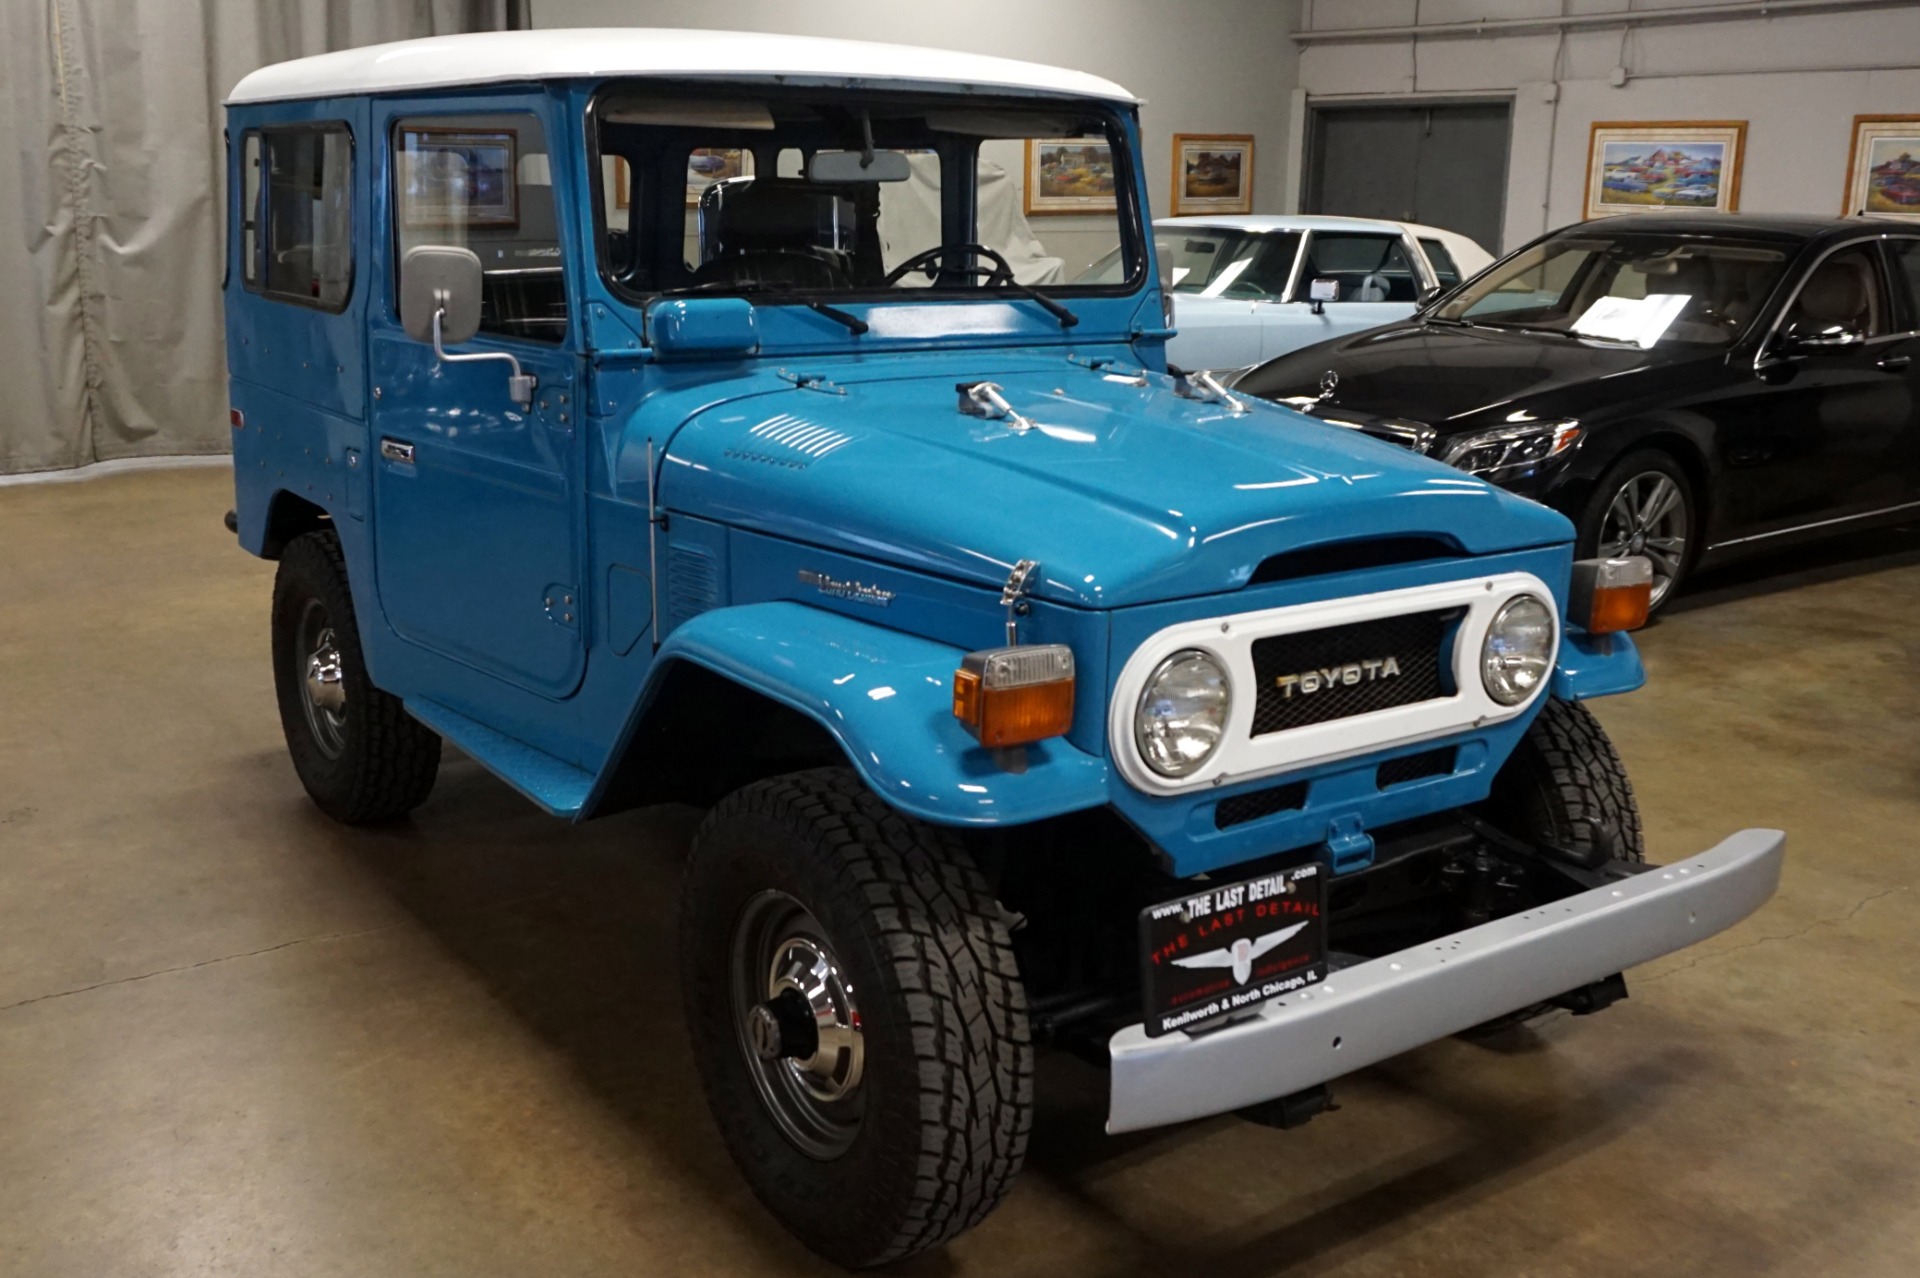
point(232, 520)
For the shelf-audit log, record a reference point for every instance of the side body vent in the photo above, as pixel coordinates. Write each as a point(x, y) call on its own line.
point(693, 583)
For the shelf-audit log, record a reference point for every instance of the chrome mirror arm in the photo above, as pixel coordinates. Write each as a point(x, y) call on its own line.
point(519, 384)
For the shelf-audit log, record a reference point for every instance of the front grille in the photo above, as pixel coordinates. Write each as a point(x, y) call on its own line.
point(1416, 767)
point(1242, 808)
point(1320, 675)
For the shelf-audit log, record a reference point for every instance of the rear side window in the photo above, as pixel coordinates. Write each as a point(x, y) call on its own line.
point(485, 182)
point(1442, 262)
point(1369, 268)
point(250, 210)
point(309, 216)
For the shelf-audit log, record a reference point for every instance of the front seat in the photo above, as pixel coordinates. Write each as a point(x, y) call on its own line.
point(1835, 299)
point(767, 236)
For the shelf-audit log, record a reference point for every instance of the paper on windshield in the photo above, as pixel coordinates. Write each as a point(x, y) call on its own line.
point(1640, 320)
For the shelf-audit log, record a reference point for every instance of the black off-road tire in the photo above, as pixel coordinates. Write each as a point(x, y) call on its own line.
point(1564, 785)
point(947, 1091)
point(385, 761)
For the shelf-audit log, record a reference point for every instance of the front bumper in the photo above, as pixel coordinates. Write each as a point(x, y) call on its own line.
point(1363, 1014)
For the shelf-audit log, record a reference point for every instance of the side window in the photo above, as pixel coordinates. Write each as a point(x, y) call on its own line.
point(1842, 295)
point(485, 182)
point(1444, 268)
point(250, 210)
point(308, 214)
point(1369, 268)
point(1906, 266)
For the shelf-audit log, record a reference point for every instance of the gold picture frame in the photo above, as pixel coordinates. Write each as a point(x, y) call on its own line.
point(1212, 173)
point(1651, 166)
point(1883, 170)
point(1069, 175)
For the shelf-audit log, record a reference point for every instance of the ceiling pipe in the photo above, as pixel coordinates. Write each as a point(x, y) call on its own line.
point(1476, 27)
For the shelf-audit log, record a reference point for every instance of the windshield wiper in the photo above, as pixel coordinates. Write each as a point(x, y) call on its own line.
point(854, 323)
point(1066, 317)
point(1568, 333)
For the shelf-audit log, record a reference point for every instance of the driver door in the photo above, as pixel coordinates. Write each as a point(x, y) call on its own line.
point(477, 500)
point(1823, 429)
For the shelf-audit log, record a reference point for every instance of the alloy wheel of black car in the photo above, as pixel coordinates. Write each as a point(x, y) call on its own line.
point(1643, 506)
point(857, 1016)
point(358, 752)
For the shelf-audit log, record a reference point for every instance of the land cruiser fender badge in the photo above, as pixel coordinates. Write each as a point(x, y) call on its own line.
point(1308, 682)
point(855, 591)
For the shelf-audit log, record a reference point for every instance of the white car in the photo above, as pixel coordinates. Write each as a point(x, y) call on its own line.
point(1246, 289)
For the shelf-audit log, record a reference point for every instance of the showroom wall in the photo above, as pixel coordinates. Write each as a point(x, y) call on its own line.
point(1225, 66)
point(1797, 75)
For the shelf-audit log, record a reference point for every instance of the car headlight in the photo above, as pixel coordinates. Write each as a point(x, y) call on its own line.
point(1506, 447)
point(1182, 715)
point(1517, 656)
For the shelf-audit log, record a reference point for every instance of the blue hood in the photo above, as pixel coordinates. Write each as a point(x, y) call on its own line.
point(1125, 493)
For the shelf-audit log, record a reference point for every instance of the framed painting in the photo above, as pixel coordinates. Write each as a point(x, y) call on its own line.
point(1069, 175)
point(1212, 173)
point(1648, 166)
point(709, 164)
point(460, 178)
point(1883, 178)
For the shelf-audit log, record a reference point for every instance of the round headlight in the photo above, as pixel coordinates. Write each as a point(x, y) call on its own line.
point(1183, 713)
point(1518, 654)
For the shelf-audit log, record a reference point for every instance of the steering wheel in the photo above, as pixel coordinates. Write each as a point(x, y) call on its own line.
point(929, 262)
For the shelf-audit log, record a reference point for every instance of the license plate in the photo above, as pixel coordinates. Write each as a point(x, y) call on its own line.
point(1227, 948)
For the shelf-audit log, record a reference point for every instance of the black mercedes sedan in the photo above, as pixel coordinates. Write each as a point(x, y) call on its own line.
point(1687, 386)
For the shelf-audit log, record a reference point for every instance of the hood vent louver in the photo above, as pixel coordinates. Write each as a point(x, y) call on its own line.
point(1351, 556)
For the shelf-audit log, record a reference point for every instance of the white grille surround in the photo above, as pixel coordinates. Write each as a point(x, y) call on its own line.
point(1229, 640)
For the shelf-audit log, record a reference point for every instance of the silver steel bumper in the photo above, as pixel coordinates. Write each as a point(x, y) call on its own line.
point(1368, 1012)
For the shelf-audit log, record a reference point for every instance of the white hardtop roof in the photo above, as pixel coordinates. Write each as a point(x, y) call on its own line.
point(495, 57)
point(1285, 222)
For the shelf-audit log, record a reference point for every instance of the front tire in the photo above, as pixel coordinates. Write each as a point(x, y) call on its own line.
point(857, 1016)
point(358, 752)
point(1564, 786)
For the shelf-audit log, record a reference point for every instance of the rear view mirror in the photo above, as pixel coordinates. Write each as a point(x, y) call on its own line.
point(444, 279)
point(858, 166)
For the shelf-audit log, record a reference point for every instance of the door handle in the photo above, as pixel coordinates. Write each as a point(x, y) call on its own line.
point(1893, 363)
point(395, 451)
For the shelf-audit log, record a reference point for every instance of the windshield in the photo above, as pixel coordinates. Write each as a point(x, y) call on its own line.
point(815, 193)
point(1625, 287)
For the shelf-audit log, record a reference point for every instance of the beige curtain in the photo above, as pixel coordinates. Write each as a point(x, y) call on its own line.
point(111, 203)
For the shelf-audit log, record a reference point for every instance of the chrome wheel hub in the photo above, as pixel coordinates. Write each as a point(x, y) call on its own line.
point(1648, 516)
point(323, 688)
point(797, 1025)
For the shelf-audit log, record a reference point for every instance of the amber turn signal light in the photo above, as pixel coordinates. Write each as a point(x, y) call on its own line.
point(1012, 696)
point(1611, 595)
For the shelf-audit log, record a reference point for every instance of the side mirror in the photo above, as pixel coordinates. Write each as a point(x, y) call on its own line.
point(1320, 292)
point(438, 278)
point(440, 288)
point(703, 326)
point(1807, 339)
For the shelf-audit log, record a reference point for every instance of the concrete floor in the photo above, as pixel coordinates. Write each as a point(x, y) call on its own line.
point(237, 1039)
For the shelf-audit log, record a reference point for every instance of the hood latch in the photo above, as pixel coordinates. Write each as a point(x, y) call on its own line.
point(986, 399)
point(1013, 596)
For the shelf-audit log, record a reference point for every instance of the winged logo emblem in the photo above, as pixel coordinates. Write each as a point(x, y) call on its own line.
point(1241, 954)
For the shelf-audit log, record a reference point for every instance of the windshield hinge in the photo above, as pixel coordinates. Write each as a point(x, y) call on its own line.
point(1097, 363)
point(1013, 596)
point(809, 381)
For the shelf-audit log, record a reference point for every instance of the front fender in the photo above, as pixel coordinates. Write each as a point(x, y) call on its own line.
point(1596, 666)
point(887, 698)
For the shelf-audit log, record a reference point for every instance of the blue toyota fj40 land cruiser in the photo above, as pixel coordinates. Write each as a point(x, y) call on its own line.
point(675, 415)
